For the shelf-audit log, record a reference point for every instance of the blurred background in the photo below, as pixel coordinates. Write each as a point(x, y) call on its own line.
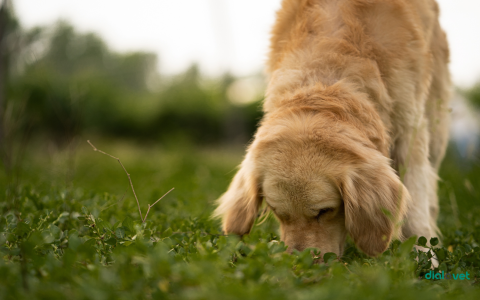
point(166, 71)
point(181, 76)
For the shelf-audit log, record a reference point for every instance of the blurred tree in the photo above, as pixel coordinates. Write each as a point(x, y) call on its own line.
point(9, 29)
point(3, 61)
point(195, 108)
point(191, 107)
point(64, 83)
point(75, 82)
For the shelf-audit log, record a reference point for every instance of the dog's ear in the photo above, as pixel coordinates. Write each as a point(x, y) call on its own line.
point(239, 206)
point(375, 201)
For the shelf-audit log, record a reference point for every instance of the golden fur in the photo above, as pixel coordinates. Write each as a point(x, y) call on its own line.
point(357, 103)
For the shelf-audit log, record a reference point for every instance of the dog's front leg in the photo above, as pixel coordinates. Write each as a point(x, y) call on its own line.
point(420, 178)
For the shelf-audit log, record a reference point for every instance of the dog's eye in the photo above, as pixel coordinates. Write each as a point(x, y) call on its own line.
point(323, 211)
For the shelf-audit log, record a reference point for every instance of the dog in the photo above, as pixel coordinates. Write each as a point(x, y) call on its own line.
point(355, 126)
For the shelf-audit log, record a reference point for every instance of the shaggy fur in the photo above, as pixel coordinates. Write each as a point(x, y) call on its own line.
point(355, 126)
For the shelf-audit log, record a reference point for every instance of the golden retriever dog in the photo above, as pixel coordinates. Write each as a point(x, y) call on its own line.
point(355, 126)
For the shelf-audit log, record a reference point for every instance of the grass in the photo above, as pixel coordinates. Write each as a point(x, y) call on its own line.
point(70, 228)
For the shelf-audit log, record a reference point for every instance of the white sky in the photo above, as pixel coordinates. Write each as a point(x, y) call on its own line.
point(222, 34)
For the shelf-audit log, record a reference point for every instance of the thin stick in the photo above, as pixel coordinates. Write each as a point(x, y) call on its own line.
point(131, 184)
point(150, 206)
point(345, 265)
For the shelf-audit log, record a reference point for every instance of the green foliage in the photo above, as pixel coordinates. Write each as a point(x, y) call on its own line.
point(74, 240)
point(465, 258)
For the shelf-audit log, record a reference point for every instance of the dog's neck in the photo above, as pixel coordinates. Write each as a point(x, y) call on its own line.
point(350, 101)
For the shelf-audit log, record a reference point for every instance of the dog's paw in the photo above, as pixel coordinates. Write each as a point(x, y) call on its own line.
point(433, 260)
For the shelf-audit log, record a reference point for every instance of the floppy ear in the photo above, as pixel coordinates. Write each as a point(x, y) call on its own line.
point(375, 201)
point(239, 205)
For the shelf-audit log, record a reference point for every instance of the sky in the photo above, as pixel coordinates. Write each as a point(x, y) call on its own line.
point(222, 35)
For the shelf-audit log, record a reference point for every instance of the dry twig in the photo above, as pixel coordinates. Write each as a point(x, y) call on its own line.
point(131, 184)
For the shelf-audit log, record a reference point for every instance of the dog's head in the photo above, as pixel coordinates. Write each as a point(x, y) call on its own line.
point(321, 180)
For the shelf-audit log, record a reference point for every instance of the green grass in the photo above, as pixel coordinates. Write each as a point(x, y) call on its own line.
point(70, 229)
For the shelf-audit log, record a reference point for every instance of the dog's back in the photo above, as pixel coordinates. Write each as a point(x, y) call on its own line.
point(394, 50)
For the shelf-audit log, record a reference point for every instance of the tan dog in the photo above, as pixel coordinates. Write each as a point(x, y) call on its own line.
point(357, 103)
